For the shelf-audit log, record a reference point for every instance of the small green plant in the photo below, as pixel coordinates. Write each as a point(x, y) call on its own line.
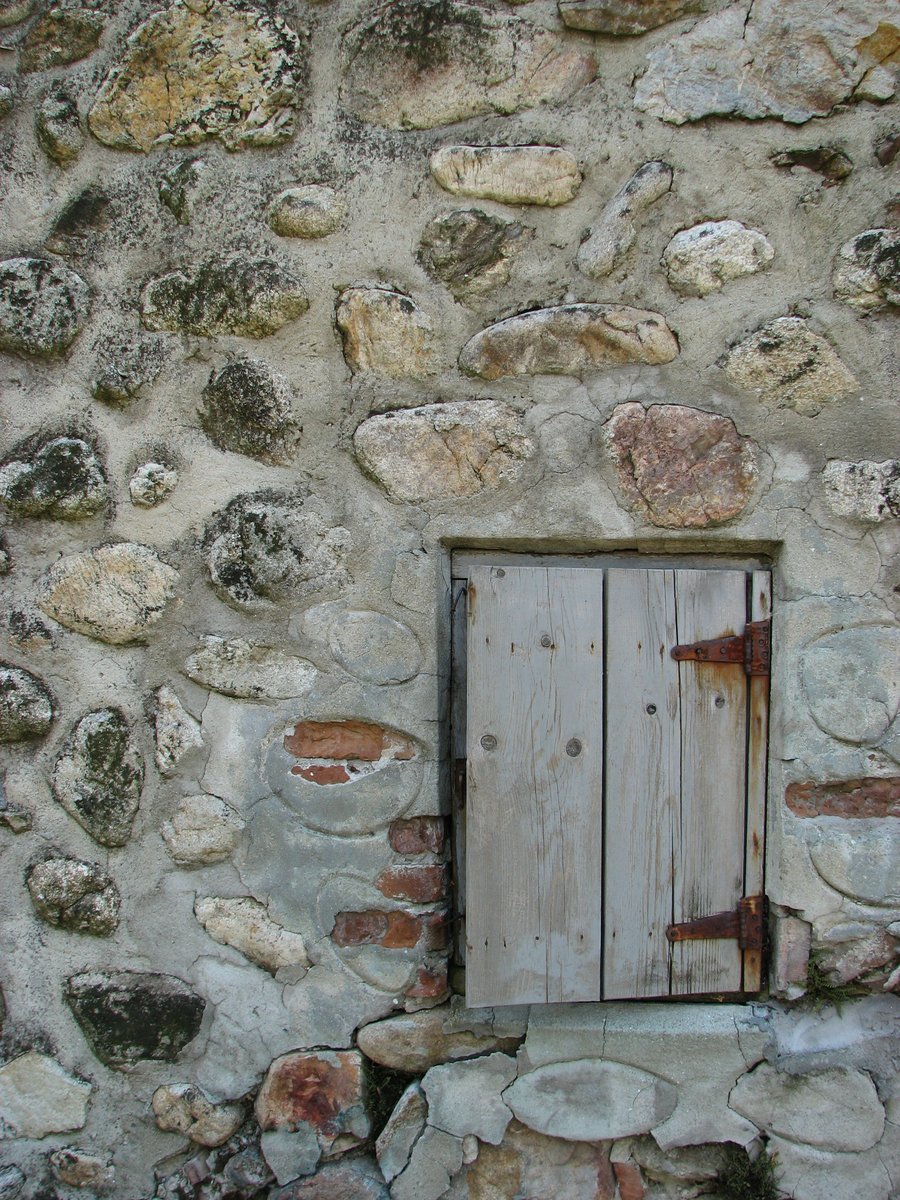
point(746, 1178)
point(822, 990)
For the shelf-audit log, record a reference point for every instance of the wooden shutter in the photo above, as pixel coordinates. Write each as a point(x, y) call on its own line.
point(578, 861)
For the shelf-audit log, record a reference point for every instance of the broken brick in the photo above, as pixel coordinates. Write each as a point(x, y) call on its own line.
point(873, 797)
point(417, 835)
point(320, 773)
point(421, 885)
point(431, 983)
point(362, 741)
point(630, 1181)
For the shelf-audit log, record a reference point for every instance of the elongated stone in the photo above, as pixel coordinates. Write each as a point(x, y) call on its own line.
point(543, 175)
point(624, 18)
point(99, 776)
point(612, 236)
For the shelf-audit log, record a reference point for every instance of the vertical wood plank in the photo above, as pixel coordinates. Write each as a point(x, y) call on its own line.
point(709, 873)
point(643, 781)
point(534, 809)
point(757, 758)
point(458, 634)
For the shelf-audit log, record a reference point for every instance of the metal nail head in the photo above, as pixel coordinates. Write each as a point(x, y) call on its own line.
point(651, 709)
point(489, 742)
point(546, 640)
point(573, 747)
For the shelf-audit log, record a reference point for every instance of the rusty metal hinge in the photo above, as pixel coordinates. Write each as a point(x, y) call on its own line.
point(746, 923)
point(750, 648)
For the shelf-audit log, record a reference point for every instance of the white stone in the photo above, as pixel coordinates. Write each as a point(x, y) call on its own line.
point(249, 670)
point(435, 1159)
point(859, 859)
point(183, 1108)
point(245, 924)
point(805, 1173)
point(465, 1097)
point(863, 491)
point(543, 175)
point(614, 233)
point(38, 1097)
point(151, 483)
point(404, 1126)
point(79, 1169)
point(202, 830)
point(701, 259)
point(312, 211)
point(177, 732)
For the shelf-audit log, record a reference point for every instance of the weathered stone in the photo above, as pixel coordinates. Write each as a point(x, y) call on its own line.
point(417, 835)
point(375, 648)
point(793, 60)
point(99, 776)
point(59, 37)
point(829, 162)
point(128, 1016)
point(203, 830)
point(78, 1168)
point(38, 1097)
point(151, 484)
point(470, 251)
point(356, 1179)
point(177, 732)
point(624, 18)
point(611, 237)
point(791, 942)
point(183, 1108)
point(27, 632)
point(435, 1159)
point(865, 867)
point(591, 1099)
point(178, 186)
point(245, 924)
point(248, 670)
point(701, 259)
point(246, 297)
point(196, 71)
point(12, 1180)
point(384, 332)
point(7, 103)
point(851, 680)
point(75, 895)
point(808, 1173)
point(544, 175)
point(247, 409)
point(321, 1089)
point(683, 467)
point(847, 798)
point(313, 211)
point(790, 366)
point(57, 127)
point(43, 306)
point(863, 491)
point(26, 706)
point(114, 593)
point(443, 451)
point(62, 479)
point(13, 11)
point(75, 231)
point(858, 958)
point(837, 1109)
point(569, 340)
point(421, 63)
point(685, 1164)
point(396, 1140)
point(888, 147)
point(465, 1097)
point(127, 366)
point(414, 1042)
point(290, 1152)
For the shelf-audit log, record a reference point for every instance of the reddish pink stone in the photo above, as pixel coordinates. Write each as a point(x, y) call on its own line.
point(323, 1088)
point(417, 835)
point(421, 885)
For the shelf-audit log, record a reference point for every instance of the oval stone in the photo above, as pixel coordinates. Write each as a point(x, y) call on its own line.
point(375, 648)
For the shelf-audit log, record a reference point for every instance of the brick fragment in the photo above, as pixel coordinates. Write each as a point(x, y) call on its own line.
point(359, 928)
point(417, 835)
point(871, 797)
point(431, 983)
point(320, 773)
point(397, 930)
point(630, 1181)
point(421, 885)
point(359, 740)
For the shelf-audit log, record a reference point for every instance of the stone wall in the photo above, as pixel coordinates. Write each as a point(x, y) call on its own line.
point(294, 298)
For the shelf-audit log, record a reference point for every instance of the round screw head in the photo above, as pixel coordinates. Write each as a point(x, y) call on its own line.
point(651, 709)
point(500, 573)
point(720, 701)
point(573, 747)
point(489, 742)
point(546, 640)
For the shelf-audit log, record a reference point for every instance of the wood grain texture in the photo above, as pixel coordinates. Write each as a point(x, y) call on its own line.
point(757, 758)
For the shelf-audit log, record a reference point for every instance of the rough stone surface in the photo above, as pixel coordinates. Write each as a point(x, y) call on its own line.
point(851, 680)
point(321, 1089)
point(808, 1173)
point(829, 162)
point(416, 65)
point(183, 1108)
point(77, 229)
point(865, 867)
point(791, 942)
point(13, 11)
point(43, 306)
point(384, 332)
point(396, 1140)
point(59, 37)
point(151, 484)
point(99, 776)
point(436, 1157)
point(313, 211)
point(177, 732)
point(470, 251)
point(245, 924)
point(114, 593)
point(443, 450)
point(57, 127)
point(374, 647)
point(247, 408)
point(128, 1016)
point(26, 706)
point(793, 60)
point(836, 1109)
point(790, 366)
point(127, 367)
point(202, 830)
point(7, 104)
point(543, 175)
point(178, 188)
point(862, 958)
point(38, 1097)
point(569, 340)
point(290, 1152)
point(863, 491)
point(246, 297)
point(683, 467)
point(701, 259)
point(356, 1179)
point(611, 237)
point(248, 670)
point(414, 1042)
point(80, 1169)
point(867, 270)
point(624, 19)
point(465, 1097)
point(12, 1181)
point(202, 71)
point(75, 895)
point(62, 479)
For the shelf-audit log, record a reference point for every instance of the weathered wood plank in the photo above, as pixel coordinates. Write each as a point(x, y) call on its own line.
point(458, 633)
point(757, 757)
point(643, 769)
point(534, 809)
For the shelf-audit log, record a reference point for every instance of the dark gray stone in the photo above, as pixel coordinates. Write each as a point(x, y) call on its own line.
point(76, 228)
point(74, 895)
point(469, 250)
point(247, 409)
point(7, 100)
point(59, 37)
point(58, 128)
point(26, 706)
point(177, 186)
point(43, 307)
point(99, 776)
point(867, 270)
point(352, 1179)
point(127, 365)
point(61, 480)
point(128, 1016)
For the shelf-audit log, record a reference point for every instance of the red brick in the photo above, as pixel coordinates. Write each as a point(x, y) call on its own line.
point(421, 885)
point(336, 739)
point(359, 928)
point(431, 983)
point(606, 1180)
point(403, 932)
point(630, 1181)
point(873, 797)
point(417, 835)
point(319, 773)
point(395, 930)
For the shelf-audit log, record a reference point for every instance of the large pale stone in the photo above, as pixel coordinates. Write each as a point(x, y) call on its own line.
point(384, 332)
point(312, 211)
point(26, 706)
point(374, 647)
point(321, 1089)
point(465, 1097)
point(80, 1169)
point(99, 776)
point(43, 306)
point(613, 235)
point(196, 71)
point(38, 1097)
point(114, 593)
point(863, 491)
point(177, 732)
point(62, 479)
point(245, 924)
point(683, 467)
point(867, 270)
point(530, 1164)
point(701, 259)
point(470, 251)
point(416, 64)
point(249, 670)
point(396, 1140)
point(624, 18)
point(183, 1108)
point(792, 59)
point(544, 175)
point(851, 680)
point(443, 451)
point(790, 366)
point(589, 1099)
point(862, 862)
point(74, 895)
point(416, 1041)
point(356, 1179)
point(202, 830)
point(569, 340)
